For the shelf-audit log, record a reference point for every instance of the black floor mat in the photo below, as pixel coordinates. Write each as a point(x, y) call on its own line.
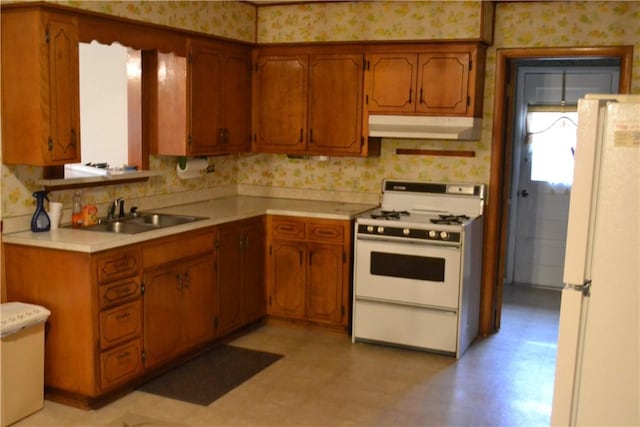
point(210, 375)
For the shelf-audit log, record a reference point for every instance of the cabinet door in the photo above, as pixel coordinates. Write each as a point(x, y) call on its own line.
point(335, 104)
point(198, 305)
point(229, 268)
point(253, 291)
point(236, 93)
point(64, 91)
point(161, 315)
point(391, 82)
point(168, 98)
point(443, 83)
point(324, 283)
point(287, 278)
point(281, 104)
point(205, 100)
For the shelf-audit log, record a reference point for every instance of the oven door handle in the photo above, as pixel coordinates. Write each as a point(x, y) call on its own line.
point(439, 243)
point(406, 304)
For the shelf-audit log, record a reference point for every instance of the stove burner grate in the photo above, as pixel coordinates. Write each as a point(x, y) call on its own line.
point(450, 219)
point(389, 214)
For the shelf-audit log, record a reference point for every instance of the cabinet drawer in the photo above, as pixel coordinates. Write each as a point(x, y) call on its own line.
point(321, 232)
point(178, 248)
point(118, 265)
point(120, 364)
point(287, 229)
point(119, 292)
point(119, 324)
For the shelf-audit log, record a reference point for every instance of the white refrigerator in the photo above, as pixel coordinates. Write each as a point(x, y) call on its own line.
point(598, 360)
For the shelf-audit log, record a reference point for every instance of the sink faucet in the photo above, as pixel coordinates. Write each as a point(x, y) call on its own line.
point(121, 211)
point(117, 203)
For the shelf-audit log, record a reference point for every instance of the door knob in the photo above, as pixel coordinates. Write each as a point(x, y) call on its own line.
point(524, 193)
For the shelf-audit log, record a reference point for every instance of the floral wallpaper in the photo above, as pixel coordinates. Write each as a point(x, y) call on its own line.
point(371, 20)
point(517, 24)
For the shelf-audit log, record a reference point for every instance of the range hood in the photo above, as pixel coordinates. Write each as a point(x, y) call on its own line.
point(425, 127)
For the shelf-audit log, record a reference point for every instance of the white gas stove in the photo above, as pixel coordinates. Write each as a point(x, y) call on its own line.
point(417, 266)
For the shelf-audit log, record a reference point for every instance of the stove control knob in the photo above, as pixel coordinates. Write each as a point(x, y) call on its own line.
point(444, 235)
point(380, 230)
point(369, 228)
point(433, 234)
point(406, 231)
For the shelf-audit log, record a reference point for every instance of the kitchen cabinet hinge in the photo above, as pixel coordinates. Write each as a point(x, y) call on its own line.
point(361, 141)
point(143, 356)
point(50, 144)
point(470, 65)
point(189, 142)
point(366, 99)
point(269, 301)
point(217, 243)
point(189, 58)
point(47, 36)
point(368, 65)
point(468, 101)
point(142, 288)
point(342, 310)
point(344, 257)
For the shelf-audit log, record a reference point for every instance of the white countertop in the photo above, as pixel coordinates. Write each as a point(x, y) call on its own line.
point(217, 211)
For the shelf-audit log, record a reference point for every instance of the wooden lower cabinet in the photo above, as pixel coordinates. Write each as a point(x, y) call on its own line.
point(118, 316)
point(179, 296)
point(93, 335)
point(308, 269)
point(240, 273)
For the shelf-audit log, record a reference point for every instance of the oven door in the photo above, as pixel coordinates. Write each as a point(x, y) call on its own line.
point(422, 274)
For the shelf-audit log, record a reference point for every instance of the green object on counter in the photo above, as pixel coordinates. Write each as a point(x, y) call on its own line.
point(182, 162)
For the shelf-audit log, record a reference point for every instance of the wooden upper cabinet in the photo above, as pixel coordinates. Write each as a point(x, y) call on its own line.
point(309, 104)
point(236, 91)
point(204, 76)
point(40, 88)
point(443, 83)
point(281, 93)
point(335, 99)
point(391, 80)
point(440, 80)
point(200, 104)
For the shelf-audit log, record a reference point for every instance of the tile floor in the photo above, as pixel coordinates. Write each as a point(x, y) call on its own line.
point(324, 380)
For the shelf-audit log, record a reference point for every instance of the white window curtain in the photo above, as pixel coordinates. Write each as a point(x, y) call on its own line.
point(551, 139)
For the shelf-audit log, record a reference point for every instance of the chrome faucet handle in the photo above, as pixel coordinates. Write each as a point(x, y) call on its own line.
point(111, 212)
point(121, 205)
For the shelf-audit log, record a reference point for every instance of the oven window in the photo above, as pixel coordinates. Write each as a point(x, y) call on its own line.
point(407, 266)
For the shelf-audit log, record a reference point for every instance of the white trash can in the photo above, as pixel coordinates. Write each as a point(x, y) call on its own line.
point(21, 360)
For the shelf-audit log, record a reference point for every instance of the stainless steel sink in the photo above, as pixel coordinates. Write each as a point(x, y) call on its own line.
point(162, 220)
point(124, 227)
point(144, 221)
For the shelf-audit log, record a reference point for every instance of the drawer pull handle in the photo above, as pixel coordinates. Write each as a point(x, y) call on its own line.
point(124, 355)
point(122, 316)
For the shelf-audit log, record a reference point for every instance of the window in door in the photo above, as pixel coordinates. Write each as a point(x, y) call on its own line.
point(551, 141)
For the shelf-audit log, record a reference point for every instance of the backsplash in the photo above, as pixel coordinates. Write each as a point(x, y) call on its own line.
point(517, 24)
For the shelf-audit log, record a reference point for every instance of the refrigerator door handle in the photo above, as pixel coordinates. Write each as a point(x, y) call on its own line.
point(585, 288)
